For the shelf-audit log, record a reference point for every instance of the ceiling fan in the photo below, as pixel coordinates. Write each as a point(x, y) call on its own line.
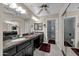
point(43, 7)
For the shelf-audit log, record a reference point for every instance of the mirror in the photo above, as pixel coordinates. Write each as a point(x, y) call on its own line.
point(71, 30)
point(38, 26)
point(10, 25)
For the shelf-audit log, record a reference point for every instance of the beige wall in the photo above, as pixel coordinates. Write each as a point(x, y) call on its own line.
point(1, 35)
point(60, 29)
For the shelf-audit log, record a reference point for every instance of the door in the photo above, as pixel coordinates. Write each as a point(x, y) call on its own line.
point(51, 29)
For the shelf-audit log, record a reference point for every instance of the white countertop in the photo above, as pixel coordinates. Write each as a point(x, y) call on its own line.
point(9, 43)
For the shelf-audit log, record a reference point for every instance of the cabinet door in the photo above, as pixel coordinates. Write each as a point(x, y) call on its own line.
point(26, 53)
point(19, 54)
point(23, 45)
point(30, 50)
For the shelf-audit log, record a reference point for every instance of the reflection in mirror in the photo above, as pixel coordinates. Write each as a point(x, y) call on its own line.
point(10, 25)
point(38, 26)
point(71, 30)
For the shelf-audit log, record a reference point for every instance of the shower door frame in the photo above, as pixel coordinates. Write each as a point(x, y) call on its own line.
point(52, 19)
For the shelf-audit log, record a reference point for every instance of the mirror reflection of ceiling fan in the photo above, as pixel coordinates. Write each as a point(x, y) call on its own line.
point(43, 7)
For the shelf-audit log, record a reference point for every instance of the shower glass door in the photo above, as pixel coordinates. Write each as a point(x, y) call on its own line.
point(51, 29)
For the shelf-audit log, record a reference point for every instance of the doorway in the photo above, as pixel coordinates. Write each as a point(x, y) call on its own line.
point(51, 30)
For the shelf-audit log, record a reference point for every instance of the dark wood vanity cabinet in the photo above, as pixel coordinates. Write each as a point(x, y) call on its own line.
point(29, 50)
point(25, 48)
point(38, 41)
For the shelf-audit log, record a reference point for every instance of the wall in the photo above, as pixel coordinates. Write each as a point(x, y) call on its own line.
point(1, 41)
point(29, 26)
point(1, 34)
point(60, 29)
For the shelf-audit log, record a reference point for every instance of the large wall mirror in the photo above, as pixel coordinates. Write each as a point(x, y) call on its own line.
point(10, 26)
point(71, 30)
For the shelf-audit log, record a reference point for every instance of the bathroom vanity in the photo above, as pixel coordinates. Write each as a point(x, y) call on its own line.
point(23, 46)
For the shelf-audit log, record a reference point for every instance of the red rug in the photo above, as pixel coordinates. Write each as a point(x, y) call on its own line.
point(45, 47)
point(51, 41)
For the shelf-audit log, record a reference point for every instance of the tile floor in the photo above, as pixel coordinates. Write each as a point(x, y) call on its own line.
point(54, 51)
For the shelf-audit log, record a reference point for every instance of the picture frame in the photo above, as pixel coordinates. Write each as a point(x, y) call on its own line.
point(38, 26)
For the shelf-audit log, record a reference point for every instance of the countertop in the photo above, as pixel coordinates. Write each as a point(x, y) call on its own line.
point(10, 43)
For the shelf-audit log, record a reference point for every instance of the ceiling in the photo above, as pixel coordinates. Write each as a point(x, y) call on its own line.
point(54, 8)
point(73, 7)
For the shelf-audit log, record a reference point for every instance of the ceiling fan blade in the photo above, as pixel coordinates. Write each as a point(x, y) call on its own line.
point(40, 11)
